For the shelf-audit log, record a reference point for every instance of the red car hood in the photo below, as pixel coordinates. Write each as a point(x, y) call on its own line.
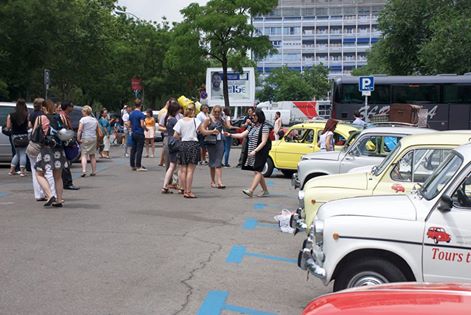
point(394, 299)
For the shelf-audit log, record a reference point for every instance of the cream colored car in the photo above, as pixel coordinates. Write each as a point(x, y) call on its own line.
point(412, 161)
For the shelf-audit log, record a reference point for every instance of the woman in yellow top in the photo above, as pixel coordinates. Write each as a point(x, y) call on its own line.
point(150, 133)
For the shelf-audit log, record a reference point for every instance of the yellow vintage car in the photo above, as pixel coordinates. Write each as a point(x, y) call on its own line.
point(299, 140)
point(412, 161)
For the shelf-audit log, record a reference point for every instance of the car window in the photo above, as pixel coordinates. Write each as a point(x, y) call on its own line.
point(339, 139)
point(300, 135)
point(417, 165)
point(4, 111)
point(462, 196)
point(376, 145)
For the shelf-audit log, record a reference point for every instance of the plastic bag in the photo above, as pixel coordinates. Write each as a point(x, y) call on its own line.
point(283, 221)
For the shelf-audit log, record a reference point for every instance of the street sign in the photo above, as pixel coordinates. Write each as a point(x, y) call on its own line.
point(366, 84)
point(136, 84)
point(47, 78)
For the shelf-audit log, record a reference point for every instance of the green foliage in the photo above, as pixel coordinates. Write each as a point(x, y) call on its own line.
point(225, 32)
point(284, 84)
point(422, 37)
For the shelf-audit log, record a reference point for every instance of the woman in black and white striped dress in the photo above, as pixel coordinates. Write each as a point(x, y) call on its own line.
point(258, 147)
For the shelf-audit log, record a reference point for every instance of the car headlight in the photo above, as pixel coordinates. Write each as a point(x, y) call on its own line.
point(318, 232)
point(301, 195)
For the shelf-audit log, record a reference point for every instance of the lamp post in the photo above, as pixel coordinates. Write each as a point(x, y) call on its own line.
point(122, 12)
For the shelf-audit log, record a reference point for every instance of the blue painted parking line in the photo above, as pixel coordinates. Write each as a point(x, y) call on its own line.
point(238, 252)
point(252, 224)
point(3, 194)
point(259, 206)
point(215, 303)
point(270, 183)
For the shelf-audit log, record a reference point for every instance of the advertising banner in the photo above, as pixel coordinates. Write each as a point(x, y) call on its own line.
point(241, 86)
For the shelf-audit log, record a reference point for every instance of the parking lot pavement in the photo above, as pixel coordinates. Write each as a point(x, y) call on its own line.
point(121, 247)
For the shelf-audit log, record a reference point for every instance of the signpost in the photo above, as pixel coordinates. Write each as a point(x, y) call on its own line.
point(47, 81)
point(136, 85)
point(366, 85)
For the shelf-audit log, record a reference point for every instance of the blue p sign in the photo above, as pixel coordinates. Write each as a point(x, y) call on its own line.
point(366, 84)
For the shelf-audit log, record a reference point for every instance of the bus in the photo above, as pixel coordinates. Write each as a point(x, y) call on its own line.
point(447, 98)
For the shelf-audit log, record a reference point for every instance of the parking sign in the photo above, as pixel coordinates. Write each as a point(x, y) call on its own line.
point(366, 84)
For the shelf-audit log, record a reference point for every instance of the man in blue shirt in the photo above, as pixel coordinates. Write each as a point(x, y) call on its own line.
point(136, 119)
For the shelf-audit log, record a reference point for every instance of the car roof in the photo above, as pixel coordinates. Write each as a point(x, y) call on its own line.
point(438, 137)
point(12, 104)
point(398, 130)
point(321, 124)
point(465, 151)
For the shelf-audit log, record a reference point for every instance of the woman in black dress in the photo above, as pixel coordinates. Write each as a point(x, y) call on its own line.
point(258, 147)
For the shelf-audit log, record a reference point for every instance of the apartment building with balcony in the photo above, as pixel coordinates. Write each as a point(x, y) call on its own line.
point(336, 33)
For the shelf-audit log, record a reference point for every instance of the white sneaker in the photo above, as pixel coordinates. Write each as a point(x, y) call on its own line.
point(126, 155)
point(142, 169)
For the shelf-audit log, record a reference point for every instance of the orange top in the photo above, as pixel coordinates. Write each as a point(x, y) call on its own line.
point(150, 122)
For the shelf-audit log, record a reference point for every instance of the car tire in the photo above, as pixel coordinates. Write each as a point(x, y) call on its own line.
point(268, 169)
point(287, 173)
point(368, 271)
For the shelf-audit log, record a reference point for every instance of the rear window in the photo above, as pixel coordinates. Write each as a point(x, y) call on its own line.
point(415, 93)
point(457, 94)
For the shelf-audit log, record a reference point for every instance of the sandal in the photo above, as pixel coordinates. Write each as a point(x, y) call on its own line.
point(189, 195)
point(214, 185)
point(93, 174)
point(50, 201)
point(83, 174)
point(166, 191)
point(57, 205)
point(221, 187)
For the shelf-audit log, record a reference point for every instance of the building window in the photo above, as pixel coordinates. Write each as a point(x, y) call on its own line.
point(292, 30)
point(276, 43)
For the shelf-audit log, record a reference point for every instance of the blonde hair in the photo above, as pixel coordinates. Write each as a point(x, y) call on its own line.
point(87, 110)
point(190, 110)
point(50, 107)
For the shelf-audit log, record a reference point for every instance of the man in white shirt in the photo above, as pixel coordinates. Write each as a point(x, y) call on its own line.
point(201, 117)
point(358, 121)
point(126, 128)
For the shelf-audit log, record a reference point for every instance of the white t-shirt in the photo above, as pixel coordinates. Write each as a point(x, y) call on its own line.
point(125, 117)
point(358, 122)
point(89, 127)
point(187, 129)
point(323, 138)
point(201, 117)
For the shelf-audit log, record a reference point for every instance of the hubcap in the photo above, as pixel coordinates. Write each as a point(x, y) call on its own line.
point(265, 168)
point(367, 278)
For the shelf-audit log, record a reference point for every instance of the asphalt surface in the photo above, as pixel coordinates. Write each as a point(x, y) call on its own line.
point(119, 246)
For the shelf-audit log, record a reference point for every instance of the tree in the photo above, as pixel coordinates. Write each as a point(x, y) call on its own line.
point(422, 37)
point(225, 32)
point(317, 78)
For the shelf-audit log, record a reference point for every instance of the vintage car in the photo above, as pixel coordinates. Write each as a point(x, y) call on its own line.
point(370, 147)
point(395, 299)
point(380, 239)
point(412, 161)
point(299, 140)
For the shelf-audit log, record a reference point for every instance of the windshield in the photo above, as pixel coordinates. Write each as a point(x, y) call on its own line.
point(441, 176)
point(387, 160)
point(351, 139)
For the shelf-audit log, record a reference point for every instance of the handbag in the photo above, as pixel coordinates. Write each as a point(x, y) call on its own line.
point(210, 139)
point(72, 151)
point(20, 141)
point(173, 145)
point(38, 136)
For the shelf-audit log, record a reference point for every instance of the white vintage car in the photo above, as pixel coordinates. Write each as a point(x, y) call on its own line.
point(369, 147)
point(421, 236)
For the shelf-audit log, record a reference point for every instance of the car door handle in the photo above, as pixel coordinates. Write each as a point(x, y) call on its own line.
point(348, 158)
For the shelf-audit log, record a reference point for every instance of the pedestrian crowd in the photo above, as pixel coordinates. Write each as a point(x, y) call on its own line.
point(189, 139)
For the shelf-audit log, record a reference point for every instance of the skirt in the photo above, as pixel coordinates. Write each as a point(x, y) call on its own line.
point(88, 146)
point(189, 153)
point(51, 159)
point(215, 152)
point(149, 133)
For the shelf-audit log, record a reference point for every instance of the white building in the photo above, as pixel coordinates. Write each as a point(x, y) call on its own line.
point(336, 33)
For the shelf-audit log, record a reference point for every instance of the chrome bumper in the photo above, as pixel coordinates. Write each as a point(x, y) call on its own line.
point(297, 223)
point(295, 181)
point(311, 258)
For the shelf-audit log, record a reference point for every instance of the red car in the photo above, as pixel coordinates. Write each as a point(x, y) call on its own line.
point(438, 234)
point(396, 299)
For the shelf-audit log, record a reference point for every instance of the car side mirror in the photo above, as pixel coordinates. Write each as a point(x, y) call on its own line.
point(445, 204)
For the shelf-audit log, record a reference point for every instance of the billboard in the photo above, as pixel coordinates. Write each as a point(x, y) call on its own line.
point(241, 86)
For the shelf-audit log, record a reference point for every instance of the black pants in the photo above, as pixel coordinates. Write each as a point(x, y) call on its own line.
point(67, 175)
point(136, 150)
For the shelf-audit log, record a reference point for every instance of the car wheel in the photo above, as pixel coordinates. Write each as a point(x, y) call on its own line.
point(268, 169)
point(287, 173)
point(366, 272)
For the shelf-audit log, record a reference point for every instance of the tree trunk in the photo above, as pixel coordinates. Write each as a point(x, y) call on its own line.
point(225, 89)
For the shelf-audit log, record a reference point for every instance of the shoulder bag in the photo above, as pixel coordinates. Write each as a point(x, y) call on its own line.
point(38, 136)
point(20, 141)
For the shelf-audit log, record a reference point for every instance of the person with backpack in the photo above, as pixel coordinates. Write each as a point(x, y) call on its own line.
point(51, 155)
point(66, 108)
point(258, 145)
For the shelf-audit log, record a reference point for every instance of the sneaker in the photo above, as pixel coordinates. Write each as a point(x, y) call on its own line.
point(248, 193)
point(142, 169)
point(264, 194)
point(134, 168)
point(227, 165)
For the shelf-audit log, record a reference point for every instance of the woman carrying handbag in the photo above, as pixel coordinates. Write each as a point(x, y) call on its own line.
point(18, 124)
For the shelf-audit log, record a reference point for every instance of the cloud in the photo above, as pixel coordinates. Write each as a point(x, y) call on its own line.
point(156, 9)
